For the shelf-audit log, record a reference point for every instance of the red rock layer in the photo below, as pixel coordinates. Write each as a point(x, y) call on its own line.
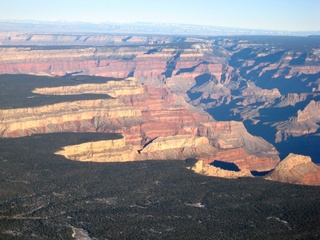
point(140, 117)
point(243, 160)
point(296, 169)
point(100, 61)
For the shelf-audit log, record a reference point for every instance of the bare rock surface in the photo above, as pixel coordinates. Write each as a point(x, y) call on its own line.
point(177, 79)
point(296, 169)
point(306, 122)
point(100, 151)
point(213, 171)
point(155, 121)
point(177, 147)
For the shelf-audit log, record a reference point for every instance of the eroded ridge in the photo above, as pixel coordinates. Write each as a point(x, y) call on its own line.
point(153, 121)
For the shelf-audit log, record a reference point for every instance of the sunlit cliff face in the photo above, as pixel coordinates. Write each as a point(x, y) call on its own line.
point(155, 124)
point(269, 84)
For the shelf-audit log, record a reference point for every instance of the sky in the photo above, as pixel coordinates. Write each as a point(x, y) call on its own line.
point(284, 15)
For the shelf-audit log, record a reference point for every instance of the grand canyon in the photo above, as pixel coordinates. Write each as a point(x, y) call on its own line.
point(230, 111)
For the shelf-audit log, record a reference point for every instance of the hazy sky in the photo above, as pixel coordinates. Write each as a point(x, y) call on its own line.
point(291, 15)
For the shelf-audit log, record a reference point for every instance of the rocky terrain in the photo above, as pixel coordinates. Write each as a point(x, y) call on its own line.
point(86, 121)
point(297, 169)
point(155, 124)
point(99, 151)
point(209, 170)
point(306, 122)
point(268, 85)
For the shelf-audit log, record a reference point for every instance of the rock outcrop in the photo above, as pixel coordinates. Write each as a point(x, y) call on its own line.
point(180, 78)
point(177, 147)
point(156, 61)
point(100, 151)
point(155, 121)
point(75, 116)
point(241, 158)
point(296, 169)
point(209, 170)
point(115, 89)
point(211, 72)
point(292, 99)
point(306, 122)
point(163, 148)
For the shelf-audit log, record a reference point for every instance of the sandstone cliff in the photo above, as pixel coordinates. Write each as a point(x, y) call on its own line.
point(211, 72)
point(306, 122)
point(163, 148)
point(157, 61)
point(244, 160)
point(112, 88)
point(100, 151)
point(146, 117)
point(296, 169)
point(63, 117)
point(177, 147)
point(209, 170)
point(180, 78)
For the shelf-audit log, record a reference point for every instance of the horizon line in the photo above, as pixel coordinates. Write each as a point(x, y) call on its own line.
point(221, 28)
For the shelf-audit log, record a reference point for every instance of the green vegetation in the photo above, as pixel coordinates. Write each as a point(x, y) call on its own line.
point(42, 196)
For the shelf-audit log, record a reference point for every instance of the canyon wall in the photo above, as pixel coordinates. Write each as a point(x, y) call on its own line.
point(296, 169)
point(305, 123)
point(179, 86)
point(156, 124)
point(100, 151)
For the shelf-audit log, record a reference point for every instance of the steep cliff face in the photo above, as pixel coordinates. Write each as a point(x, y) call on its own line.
point(177, 147)
point(100, 151)
point(158, 123)
point(306, 122)
point(281, 57)
point(157, 61)
point(291, 99)
point(296, 169)
point(81, 116)
point(241, 158)
point(249, 79)
point(163, 148)
point(112, 88)
point(98, 61)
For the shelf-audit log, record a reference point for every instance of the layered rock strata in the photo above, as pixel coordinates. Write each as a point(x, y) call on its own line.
point(157, 62)
point(214, 72)
point(207, 72)
point(115, 89)
point(241, 158)
point(177, 147)
point(145, 116)
point(164, 148)
point(296, 169)
point(90, 115)
point(306, 122)
point(100, 151)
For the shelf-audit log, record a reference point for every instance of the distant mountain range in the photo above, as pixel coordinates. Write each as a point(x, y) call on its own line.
point(139, 28)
